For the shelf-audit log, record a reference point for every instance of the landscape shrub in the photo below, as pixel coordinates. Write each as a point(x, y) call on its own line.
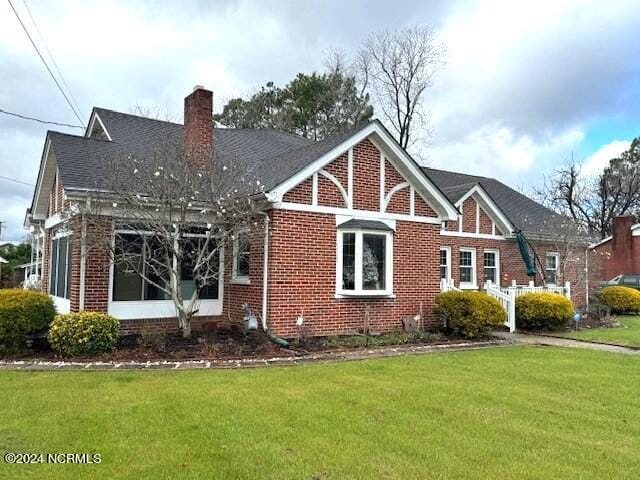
point(22, 313)
point(543, 311)
point(84, 333)
point(470, 314)
point(621, 299)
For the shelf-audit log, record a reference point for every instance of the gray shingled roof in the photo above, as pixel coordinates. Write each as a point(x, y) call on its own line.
point(523, 212)
point(271, 155)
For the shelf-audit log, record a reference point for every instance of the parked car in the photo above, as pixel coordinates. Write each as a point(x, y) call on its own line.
point(631, 281)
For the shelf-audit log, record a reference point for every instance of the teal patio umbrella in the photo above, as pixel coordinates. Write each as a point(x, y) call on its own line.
point(523, 246)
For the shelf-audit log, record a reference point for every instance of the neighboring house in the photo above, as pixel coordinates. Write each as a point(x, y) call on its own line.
point(619, 253)
point(2, 260)
point(357, 231)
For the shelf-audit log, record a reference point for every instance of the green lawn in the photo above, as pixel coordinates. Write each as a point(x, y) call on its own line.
point(514, 412)
point(627, 334)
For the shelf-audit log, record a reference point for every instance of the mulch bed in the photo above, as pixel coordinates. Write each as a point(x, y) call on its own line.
point(232, 345)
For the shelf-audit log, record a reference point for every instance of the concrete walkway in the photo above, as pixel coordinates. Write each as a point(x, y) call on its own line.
point(563, 342)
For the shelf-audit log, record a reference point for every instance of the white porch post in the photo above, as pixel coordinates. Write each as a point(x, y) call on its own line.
point(512, 310)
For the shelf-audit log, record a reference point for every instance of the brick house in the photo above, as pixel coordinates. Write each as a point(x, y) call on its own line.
point(619, 253)
point(355, 228)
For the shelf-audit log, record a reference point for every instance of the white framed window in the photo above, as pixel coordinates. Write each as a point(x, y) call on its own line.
point(445, 263)
point(364, 262)
point(60, 267)
point(492, 266)
point(552, 260)
point(467, 268)
point(136, 280)
point(241, 258)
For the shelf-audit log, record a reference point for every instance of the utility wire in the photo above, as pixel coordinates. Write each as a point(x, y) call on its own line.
point(9, 179)
point(45, 62)
point(24, 117)
point(51, 57)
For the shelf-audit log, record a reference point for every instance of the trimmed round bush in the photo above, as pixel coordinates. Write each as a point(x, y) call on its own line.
point(84, 333)
point(621, 299)
point(543, 311)
point(470, 314)
point(23, 313)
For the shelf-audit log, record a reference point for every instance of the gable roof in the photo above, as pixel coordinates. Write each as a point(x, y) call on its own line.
point(523, 212)
point(272, 156)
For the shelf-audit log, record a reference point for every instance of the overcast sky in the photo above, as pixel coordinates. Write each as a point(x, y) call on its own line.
point(525, 87)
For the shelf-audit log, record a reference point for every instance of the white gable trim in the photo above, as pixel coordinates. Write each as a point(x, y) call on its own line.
point(381, 138)
point(301, 207)
point(602, 242)
point(96, 118)
point(392, 192)
point(46, 172)
point(489, 206)
point(336, 182)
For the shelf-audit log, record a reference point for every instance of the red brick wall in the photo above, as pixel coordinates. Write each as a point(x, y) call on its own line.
point(366, 177)
point(328, 193)
point(198, 126)
point(469, 215)
point(485, 223)
point(422, 208)
point(300, 194)
point(400, 202)
point(302, 277)
point(339, 168)
point(621, 254)
point(96, 298)
point(512, 266)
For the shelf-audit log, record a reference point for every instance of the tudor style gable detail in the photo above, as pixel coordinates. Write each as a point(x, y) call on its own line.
point(479, 217)
point(367, 177)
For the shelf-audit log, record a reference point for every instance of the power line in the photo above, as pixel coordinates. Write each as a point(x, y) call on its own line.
point(24, 117)
point(16, 181)
point(55, 64)
point(44, 62)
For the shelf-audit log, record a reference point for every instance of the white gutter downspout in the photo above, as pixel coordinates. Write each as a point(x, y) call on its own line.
point(44, 259)
point(83, 261)
point(265, 271)
point(586, 274)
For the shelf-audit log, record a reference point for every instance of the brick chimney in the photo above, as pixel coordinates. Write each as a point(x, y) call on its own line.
point(622, 251)
point(198, 126)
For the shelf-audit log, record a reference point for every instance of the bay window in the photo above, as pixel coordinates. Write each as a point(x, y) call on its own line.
point(60, 262)
point(364, 259)
point(492, 266)
point(467, 268)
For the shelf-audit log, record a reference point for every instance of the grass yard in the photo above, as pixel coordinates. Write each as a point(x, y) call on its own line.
point(627, 334)
point(514, 412)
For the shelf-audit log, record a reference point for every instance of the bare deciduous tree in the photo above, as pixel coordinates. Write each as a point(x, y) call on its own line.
point(594, 202)
point(397, 67)
point(172, 219)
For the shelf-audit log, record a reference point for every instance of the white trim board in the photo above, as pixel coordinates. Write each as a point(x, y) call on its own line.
point(447, 233)
point(299, 207)
point(95, 117)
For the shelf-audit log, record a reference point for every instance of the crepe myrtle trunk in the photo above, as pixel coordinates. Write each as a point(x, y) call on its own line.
point(171, 219)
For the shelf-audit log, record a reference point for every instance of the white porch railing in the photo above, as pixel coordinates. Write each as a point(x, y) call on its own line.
point(507, 295)
point(447, 284)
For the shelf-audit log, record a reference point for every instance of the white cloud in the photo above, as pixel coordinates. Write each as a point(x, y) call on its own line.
point(497, 151)
point(598, 160)
point(524, 80)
